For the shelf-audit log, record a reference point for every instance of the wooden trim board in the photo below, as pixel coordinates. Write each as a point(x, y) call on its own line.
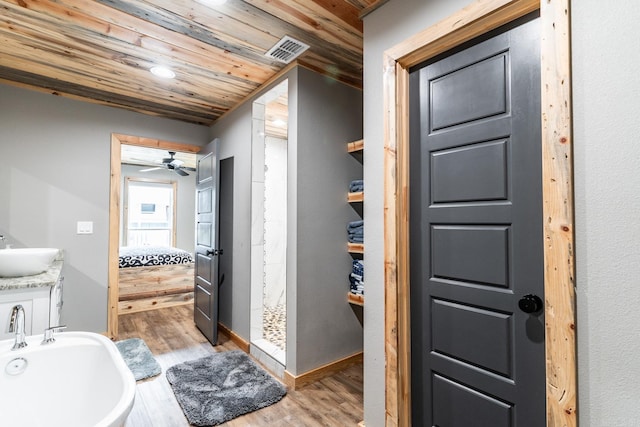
point(474, 20)
point(154, 303)
point(297, 381)
point(367, 10)
point(237, 339)
point(114, 214)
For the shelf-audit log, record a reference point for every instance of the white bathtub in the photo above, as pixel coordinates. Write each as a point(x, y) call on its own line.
point(79, 380)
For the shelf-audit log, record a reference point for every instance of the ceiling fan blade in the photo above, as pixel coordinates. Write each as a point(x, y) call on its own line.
point(150, 169)
point(180, 172)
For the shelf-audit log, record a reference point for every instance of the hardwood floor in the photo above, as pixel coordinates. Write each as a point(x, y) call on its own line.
point(172, 337)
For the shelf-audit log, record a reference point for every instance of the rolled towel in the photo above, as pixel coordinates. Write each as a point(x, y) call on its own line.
point(358, 267)
point(356, 185)
point(356, 285)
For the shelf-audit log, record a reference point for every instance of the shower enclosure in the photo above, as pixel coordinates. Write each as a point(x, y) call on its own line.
point(269, 223)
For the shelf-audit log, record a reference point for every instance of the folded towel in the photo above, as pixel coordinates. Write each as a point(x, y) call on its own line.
point(353, 225)
point(356, 238)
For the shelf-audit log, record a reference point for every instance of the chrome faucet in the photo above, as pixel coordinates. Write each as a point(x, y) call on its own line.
point(48, 333)
point(17, 325)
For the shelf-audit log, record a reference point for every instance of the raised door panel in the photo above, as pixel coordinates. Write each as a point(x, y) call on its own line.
point(476, 227)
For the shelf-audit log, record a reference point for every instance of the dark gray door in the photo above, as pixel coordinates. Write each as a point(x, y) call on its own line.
point(476, 235)
point(207, 251)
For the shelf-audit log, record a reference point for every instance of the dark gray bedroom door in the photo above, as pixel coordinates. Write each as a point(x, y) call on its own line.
point(206, 266)
point(477, 341)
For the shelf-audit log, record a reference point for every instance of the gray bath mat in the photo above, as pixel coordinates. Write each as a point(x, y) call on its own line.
point(223, 386)
point(138, 358)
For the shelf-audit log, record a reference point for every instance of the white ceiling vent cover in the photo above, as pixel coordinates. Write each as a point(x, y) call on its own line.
point(286, 50)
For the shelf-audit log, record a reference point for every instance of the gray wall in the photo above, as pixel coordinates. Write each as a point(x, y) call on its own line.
point(387, 26)
point(56, 165)
point(234, 131)
point(185, 199)
point(329, 115)
point(606, 93)
point(322, 327)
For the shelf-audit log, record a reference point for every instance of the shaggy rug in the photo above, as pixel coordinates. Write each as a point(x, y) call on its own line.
point(223, 386)
point(138, 358)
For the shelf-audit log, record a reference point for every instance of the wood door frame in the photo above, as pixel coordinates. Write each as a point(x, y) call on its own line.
point(474, 20)
point(114, 213)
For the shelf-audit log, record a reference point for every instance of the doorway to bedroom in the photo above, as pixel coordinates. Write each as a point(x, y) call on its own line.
point(152, 207)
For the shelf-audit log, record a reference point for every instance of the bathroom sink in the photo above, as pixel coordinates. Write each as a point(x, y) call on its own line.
point(25, 261)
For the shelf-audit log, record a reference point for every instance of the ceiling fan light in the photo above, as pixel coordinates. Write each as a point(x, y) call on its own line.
point(163, 72)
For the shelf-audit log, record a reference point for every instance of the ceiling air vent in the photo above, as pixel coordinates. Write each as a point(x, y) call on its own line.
point(286, 50)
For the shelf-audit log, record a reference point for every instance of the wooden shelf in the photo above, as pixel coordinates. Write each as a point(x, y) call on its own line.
point(355, 299)
point(355, 197)
point(355, 248)
point(354, 146)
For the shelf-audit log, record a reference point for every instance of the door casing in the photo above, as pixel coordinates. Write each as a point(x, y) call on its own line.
point(557, 182)
point(114, 213)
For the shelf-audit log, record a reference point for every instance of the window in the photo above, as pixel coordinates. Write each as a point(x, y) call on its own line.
point(149, 212)
point(147, 208)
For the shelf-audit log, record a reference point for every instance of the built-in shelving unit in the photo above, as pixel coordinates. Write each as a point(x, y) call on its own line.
point(356, 299)
point(357, 249)
point(355, 197)
point(355, 146)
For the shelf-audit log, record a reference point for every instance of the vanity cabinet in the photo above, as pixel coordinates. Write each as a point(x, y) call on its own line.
point(35, 302)
point(40, 296)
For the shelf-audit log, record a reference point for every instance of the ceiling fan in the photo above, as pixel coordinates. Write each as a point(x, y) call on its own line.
point(173, 164)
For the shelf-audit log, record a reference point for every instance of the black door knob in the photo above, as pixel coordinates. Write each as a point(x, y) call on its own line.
point(530, 303)
point(212, 252)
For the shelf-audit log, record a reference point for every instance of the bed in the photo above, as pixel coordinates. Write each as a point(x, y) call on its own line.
point(153, 277)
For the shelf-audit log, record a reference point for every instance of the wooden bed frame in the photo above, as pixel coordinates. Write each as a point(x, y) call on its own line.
point(154, 287)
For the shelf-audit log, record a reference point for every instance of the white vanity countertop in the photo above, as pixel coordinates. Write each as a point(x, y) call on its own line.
point(42, 280)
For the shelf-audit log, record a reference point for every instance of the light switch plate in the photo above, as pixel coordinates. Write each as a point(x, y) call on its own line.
point(85, 227)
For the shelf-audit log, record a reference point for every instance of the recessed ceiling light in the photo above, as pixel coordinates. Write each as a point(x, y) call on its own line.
point(212, 2)
point(163, 72)
point(279, 123)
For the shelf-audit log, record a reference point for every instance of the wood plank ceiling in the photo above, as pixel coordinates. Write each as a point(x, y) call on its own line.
point(101, 51)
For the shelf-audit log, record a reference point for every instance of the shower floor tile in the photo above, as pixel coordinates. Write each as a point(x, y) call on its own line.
point(274, 324)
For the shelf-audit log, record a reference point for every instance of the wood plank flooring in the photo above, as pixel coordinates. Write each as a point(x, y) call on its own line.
point(173, 338)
